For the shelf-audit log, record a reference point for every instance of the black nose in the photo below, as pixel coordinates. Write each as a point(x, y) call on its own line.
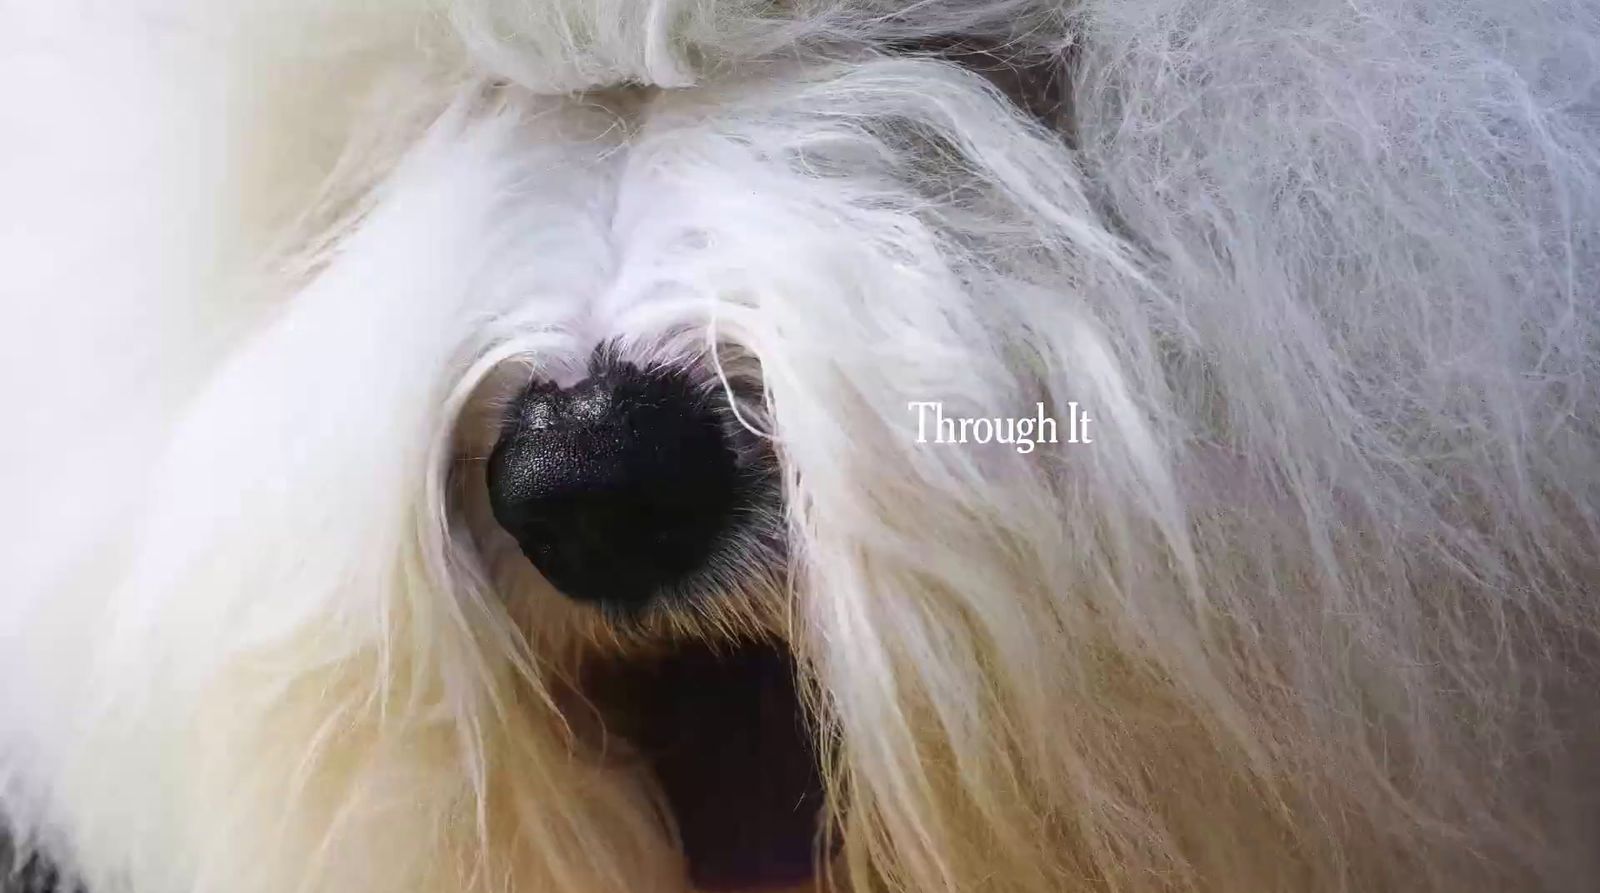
point(616, 488)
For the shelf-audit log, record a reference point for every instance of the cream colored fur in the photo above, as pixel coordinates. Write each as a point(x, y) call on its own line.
point(1315, 612)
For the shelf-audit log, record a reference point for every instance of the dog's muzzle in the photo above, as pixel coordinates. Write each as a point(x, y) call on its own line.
point(620, 488)
point(636, 490)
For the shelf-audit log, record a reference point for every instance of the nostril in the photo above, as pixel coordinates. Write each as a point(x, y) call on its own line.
point(616, 488)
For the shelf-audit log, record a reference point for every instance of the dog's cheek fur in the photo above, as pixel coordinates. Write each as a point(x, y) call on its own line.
point(298, 683)
point(164, 148)
point(1153, 658)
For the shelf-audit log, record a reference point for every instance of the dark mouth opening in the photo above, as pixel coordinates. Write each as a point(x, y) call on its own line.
point(725, 734)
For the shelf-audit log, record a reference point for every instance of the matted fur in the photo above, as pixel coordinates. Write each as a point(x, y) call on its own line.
point(1313, 613)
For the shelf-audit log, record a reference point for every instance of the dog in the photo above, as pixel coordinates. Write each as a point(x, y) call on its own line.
point(933, 446)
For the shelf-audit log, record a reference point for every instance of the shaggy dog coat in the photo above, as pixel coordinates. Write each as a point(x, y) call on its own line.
point(1315, 611)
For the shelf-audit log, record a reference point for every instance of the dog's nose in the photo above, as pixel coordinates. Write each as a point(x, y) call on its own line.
point(617, 488)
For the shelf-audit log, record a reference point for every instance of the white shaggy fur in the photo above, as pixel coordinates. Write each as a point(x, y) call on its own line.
point(1315, 612)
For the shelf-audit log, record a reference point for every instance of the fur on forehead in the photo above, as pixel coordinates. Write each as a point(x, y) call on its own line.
point(1312, 613)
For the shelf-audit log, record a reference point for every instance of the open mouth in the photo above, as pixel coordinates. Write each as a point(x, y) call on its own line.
point(725, 734)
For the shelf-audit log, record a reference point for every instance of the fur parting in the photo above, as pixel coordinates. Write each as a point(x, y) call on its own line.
point(1314, 613)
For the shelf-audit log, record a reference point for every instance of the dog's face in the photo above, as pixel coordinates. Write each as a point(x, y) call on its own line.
point(626, 477)
point(970, 445)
